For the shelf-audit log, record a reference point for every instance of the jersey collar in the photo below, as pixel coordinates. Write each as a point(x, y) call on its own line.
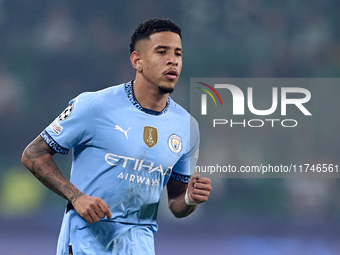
point(131, 97)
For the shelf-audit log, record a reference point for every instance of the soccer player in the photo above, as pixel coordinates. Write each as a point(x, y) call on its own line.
point(129, 142)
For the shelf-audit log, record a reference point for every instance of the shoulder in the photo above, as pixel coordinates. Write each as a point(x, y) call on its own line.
point(177, 109)
point(99, 97)
point(182, 113)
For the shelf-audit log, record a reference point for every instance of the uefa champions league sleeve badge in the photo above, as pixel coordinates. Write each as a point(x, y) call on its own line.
point(67, 112)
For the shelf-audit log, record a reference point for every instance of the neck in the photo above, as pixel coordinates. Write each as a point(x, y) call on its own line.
point(149, 96)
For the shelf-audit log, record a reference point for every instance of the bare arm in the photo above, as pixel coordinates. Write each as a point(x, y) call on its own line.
point(176, 202)
point(37, 157)
point(198, 192)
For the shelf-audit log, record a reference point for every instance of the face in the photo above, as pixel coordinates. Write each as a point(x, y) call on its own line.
point(161, 60)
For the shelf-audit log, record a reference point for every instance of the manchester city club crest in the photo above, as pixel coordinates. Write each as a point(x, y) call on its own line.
point(175, 143)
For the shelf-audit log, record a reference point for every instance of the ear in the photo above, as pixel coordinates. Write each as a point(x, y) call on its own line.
point(136, 61)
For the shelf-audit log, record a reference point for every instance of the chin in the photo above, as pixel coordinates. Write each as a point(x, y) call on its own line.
point(165, 90)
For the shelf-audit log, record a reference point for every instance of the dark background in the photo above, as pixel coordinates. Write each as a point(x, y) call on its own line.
point(50, 51)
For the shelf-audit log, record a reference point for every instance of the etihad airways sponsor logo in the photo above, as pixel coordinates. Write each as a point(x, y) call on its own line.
point(138, 179)
point(136, 164)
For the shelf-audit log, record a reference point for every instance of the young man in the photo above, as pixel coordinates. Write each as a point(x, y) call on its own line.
point(128, 141)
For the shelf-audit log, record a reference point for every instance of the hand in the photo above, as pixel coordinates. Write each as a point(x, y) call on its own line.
point(91, 208)
point(199, 188)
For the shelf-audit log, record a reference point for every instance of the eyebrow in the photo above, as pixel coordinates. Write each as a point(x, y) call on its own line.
point(167, 47)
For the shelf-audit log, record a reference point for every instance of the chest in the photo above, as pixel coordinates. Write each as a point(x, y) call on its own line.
point(139, 141)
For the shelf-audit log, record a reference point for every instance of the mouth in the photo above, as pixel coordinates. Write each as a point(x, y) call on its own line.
point(171, 74)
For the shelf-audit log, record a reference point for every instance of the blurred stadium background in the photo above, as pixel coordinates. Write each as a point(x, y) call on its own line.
point(50, 51)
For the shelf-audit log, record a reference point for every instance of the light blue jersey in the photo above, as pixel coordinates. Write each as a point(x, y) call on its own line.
point(124, 154)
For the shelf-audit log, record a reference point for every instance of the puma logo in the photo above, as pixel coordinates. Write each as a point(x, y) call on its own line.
point(122, 130)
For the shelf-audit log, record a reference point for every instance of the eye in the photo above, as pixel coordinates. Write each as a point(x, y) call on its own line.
point(162, 52)
point(178, 54)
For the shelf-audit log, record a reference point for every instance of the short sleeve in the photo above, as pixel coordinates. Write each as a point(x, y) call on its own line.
point(185, 166)
point(74, 126)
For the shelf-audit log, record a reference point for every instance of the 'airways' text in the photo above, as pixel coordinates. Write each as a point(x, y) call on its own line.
point(138, 179)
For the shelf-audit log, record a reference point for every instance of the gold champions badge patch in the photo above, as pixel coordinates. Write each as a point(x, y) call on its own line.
point(150, 136)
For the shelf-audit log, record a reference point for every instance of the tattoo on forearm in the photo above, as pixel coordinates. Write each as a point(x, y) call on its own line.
point(34, 151)
point(53, 183)
point(72, 193)
point(43, 167)
point(37, 149)
point(76, 194)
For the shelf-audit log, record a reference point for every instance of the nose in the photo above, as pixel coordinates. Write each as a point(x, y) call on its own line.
point(172, 60)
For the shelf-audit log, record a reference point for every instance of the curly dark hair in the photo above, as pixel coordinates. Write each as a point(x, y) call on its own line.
point(151, 26)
